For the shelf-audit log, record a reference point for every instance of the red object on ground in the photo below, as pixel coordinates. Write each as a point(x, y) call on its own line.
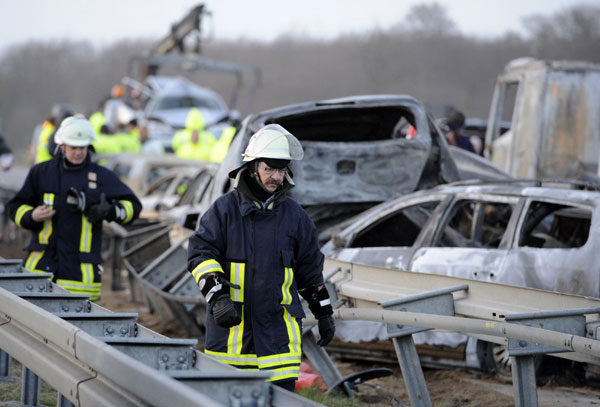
point(306, 380)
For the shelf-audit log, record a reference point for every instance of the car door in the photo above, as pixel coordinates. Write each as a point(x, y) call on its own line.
point(388, 238)
point(555, 248)
point(471, 241)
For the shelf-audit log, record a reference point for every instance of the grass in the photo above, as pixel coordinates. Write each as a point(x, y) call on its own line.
point(11, 390)
point(315, 393)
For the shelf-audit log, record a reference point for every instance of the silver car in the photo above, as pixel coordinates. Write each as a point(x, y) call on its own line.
point(516, 233)
point(170, 101)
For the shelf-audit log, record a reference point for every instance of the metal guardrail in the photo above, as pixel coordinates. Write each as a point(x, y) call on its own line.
point(92, 356)
point(534, 321)
point(480, 309)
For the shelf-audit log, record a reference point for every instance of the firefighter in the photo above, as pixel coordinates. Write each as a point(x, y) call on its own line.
point(254, 251)
point(46, 145)
point(105, 142)
point(63, 203)
point(193, 142)
point(219, 150)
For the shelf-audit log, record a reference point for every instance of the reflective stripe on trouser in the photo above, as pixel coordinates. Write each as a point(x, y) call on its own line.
point(32, 260)
point(207, 266)
point(86, 286)
point(283, 366)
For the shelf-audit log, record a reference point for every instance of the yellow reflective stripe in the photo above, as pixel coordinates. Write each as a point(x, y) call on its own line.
point(234, 340)
point(287, 284)
point(85, 240)
point(234, 359)
point(283, 373)
point(128, 206)
point(23, 209)
point(78, 285)
point(49, 199)
point(207, 266)
point(237, 274)
point(293, 330)
point(44, 235)
point(32, 260)
point(87, 273)
point(280, 359)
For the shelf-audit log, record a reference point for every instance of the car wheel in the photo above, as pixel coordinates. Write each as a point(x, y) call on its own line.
point(494, 359)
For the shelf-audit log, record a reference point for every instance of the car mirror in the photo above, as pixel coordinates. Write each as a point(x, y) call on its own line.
point(338, 242)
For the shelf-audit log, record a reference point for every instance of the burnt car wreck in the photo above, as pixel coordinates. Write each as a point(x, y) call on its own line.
point(518, 233)
point(359, 151)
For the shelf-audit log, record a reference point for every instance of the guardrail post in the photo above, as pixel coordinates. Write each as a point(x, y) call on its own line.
point(30, 388)
point(316, 354)
point(117, 241)
point(437, 302)
point(319, 357)
point(523, 375)
point(522, 352)
point(5, 366)
point(63, 402)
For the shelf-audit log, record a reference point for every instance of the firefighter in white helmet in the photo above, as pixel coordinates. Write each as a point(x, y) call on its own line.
point(63, 203)
point(254, 251)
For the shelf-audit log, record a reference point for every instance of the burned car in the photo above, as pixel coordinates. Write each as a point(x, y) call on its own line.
point(522, 233)
point(359, 151)
point(140, 170)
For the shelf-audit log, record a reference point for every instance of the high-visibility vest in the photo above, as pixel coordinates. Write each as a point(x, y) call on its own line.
point(41, 152)
point(107, 144)
point(128, 142)
point(221, 147)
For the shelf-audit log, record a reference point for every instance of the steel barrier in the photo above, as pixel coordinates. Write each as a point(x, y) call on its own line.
point(93, 357)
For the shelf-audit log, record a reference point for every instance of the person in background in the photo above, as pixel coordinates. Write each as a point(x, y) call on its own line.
point(193, 142)
point(254, 251)
point(456, 122)
point(6, 156)
point(46, 146)
point(63, 202)
point(219, 150)
point(105, 142)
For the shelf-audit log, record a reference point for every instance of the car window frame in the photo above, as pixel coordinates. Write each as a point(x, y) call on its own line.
point(509, 232)
point(392, 210)
point(527, 203)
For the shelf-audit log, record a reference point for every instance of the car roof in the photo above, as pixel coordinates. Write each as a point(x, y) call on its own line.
point(359, 101)
point(571, 190)
point(179, 86)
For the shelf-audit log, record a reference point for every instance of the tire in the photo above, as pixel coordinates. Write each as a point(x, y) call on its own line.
point(494, 359)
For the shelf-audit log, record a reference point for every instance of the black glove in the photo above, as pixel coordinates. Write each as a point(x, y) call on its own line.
point(326, 330)
point(224, 311)
point(99, 211)
point(215, 289)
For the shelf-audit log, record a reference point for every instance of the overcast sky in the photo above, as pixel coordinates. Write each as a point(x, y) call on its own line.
point(105, 21)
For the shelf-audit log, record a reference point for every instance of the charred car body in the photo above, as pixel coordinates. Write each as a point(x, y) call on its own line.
point(515, 233)
point(357, 154)
point(554, 113)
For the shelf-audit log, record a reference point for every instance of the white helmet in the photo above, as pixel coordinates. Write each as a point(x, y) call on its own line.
point(75, 131)
point(273, 141)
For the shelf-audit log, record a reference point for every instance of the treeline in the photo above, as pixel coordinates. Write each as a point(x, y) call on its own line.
point(424, 55)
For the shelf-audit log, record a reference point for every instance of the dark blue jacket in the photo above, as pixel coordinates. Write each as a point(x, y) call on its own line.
point(62, 244)
point(271, 254)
